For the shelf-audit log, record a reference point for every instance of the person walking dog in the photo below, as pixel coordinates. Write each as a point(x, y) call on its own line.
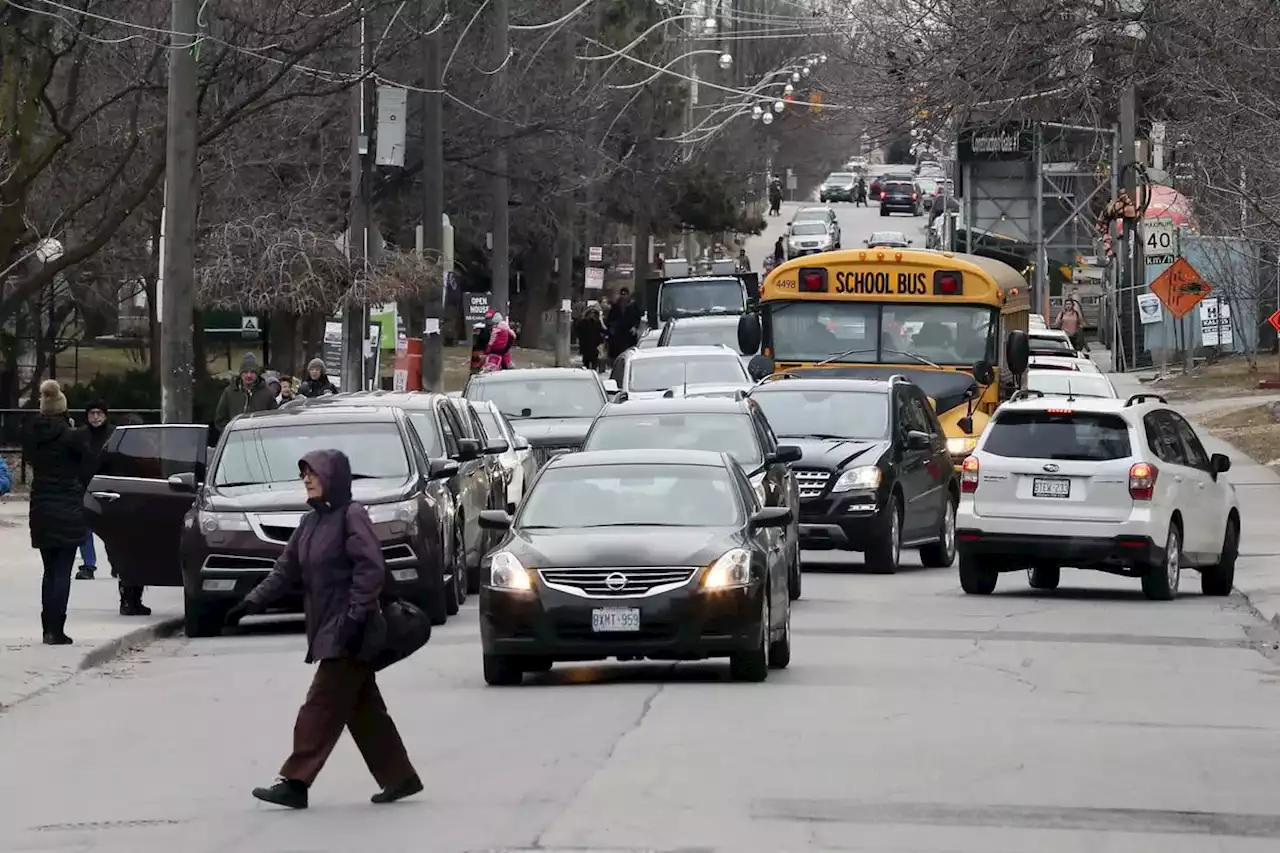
point(56, 451)
point(335, 554)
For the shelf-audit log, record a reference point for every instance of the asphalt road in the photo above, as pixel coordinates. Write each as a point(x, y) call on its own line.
point(913, 719)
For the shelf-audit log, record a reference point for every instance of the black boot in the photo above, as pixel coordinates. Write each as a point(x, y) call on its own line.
point(53, 633)
point(86, 573)
point(135, 602)
point(289, 793)
point(407, 788)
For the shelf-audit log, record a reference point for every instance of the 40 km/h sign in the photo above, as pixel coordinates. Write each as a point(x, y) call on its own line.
point(1181, 288)
point(1159, 241)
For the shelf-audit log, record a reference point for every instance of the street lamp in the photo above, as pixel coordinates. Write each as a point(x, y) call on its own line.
point(767, 118)
point(795, 76)
point(788, 89)
point(779, 106)
point(806, 71)
point(709, 24)
point(726, 61)
point(822, 60)
point(756, 113)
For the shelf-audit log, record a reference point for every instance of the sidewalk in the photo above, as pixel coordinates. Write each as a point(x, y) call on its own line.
point(1258, 491)
point(27, 666)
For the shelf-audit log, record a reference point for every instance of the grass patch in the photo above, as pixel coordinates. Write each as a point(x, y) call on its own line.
point(1254, 431)
point(1229, 378)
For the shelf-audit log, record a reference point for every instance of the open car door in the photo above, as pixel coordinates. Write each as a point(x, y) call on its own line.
point(130, 505)
point(751, 281)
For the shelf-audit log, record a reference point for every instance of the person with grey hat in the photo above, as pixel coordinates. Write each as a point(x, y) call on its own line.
point(317, 383)
point(56, 452)
point(248, 392)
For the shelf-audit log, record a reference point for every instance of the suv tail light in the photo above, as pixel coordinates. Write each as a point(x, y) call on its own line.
point(1142, 481)
point(969, 476)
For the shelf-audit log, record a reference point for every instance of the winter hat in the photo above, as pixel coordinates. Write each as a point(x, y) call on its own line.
point(249, 363)
point(96, 405)
point(316, 363)
point(52, 400)
point(272, 378)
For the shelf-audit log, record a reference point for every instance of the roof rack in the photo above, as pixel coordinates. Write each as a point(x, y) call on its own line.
point(773, 377)
point(1139, 399)
point(1026, 394)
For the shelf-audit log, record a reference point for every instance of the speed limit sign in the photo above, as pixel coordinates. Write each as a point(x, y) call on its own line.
point(1159, 241)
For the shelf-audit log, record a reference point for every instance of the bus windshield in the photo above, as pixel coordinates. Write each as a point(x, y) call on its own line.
point(917, 333)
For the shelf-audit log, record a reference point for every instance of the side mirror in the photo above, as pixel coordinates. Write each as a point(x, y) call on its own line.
point(494, 519)
point(909, 242)
point(771, 516)
point(759, 367)
point(1219, 462)
point(497, 447)
point(620, 397)
point(749, 334)
point(1017, 352)
point(788, 453)
point(468, 449)
point(917, 440)
point(983, 372)
point(187, 483)
point(611, 386)
point(522, 443)
point(442, 469)
point(966, 424)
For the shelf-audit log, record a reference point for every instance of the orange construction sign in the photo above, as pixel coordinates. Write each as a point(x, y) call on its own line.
point(1181, 288)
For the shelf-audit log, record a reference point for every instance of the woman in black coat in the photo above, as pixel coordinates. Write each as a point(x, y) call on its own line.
point(56, 452)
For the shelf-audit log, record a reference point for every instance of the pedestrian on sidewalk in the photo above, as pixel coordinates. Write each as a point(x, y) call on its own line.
point(335, 555)
point(590, 333)
point(56, 451)
point(317, 383)
point(1071, 321)
point(96, 432)
point(247, 392)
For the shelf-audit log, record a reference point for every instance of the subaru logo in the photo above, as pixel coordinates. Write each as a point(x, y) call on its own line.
point(1051, 468)
point(616, 582)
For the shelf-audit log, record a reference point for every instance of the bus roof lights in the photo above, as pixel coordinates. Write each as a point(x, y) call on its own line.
point(947, 283)
point(813, 280)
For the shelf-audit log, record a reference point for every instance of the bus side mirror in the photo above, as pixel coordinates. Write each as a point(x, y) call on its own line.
point(1017, 352)
point(983, 373)
point(749, 334)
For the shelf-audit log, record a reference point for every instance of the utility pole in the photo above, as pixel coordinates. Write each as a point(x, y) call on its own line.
point(177, 290)
point(432, 199)
point(1133, 263)
point(354, 325)
point(500, 262)
point(567, 218)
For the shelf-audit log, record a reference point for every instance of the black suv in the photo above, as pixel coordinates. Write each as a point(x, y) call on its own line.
point(446, 433)
point(900, 197)
point(733, 426)
point(165, 523)
point(875, 475)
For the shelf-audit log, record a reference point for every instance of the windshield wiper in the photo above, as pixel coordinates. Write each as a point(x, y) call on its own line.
point(840, 355)
point(634, 524)
point(247, 483)
point(918, 358)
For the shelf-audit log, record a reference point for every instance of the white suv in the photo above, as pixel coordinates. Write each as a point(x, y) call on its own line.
point(1119, 486)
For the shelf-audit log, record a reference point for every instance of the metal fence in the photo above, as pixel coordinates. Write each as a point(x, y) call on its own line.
point(14, 424)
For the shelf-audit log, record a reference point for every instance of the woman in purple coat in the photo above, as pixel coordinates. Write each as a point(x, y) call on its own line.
point(334, 554)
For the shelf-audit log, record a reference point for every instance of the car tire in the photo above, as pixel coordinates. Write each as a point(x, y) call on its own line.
point(884, 549)
point(1219, 579)
point(203, 618)
point(795, 576)
point(780, 650)
point(537, 664)
point(941, 554)
point(754, 665)
point(1160, 582)
point(456, 591)
point(502, 671)
point(1044, 577)
point(975, 578)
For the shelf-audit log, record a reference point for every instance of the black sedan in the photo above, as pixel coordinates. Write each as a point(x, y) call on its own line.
point(633, 554)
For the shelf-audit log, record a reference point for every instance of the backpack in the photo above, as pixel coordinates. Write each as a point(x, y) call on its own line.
point(6, 482)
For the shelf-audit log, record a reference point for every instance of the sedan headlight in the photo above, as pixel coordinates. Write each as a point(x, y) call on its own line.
point(733, 569)
point(402, 511)
point(506, 572)
point(864, 477)
point(224, 522)
point(961, 446)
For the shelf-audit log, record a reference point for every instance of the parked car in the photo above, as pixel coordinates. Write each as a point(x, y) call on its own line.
point(447, 431)
point(517, 461)
point(633, 554)
point(166, 523)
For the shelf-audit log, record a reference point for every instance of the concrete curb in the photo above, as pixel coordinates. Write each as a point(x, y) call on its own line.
point(138, 638)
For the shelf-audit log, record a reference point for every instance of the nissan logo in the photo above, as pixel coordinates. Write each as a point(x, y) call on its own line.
point(1051, 468)
point(616, 582)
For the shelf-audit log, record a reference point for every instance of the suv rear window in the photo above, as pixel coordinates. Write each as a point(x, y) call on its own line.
point(1053, 435)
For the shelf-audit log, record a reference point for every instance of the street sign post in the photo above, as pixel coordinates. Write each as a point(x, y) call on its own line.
point(1215, 323)
point(1159, 241)
point(1181, 288)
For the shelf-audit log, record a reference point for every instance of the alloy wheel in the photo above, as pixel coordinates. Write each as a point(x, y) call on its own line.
point(1172, 561)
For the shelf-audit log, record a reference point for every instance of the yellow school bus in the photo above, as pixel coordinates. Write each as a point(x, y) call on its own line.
point(937, 318)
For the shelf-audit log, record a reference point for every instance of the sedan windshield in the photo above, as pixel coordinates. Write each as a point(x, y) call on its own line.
point(812, 214)
point(919, 333)
point(271, 454)
point(546, 398)
point(888, 237)
point(840, 178)
point(703, 335)
point(631, 496)
point(659, 374)
point(809, 229)
point(802, 413)
point(717, 431)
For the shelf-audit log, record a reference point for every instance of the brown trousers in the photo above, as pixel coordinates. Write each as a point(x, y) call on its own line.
point(344, 694)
